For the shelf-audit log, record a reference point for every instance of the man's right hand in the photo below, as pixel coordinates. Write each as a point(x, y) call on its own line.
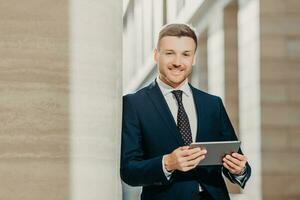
point(184, 158)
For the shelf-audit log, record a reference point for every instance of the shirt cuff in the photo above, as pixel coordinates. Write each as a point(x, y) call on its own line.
point(240, 177)
point(167, 174)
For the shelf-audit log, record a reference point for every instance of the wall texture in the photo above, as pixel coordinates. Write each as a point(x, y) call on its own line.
point(280, 99)
point(34, 90)
point(60, 99)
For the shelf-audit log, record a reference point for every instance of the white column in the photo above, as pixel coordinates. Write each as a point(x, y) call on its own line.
point(249, 91)
point(215, 53)
point(95, 99)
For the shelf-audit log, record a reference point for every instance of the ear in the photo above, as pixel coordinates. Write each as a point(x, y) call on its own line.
point(155, 54)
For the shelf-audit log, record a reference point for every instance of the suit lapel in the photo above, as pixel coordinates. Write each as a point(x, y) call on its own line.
point(162, 108)
point(202, 134)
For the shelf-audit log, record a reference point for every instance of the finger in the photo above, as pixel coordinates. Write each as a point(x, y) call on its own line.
point(232, 165)
point(194, 162)
point(185, 169)
point(231, 170)
point(239, 156)
point(203, 152)
point(184, 148)
point(196, 155)
point(193, 156)
point(189, 152)
point(240, 163)
point(233, 160)
point(182, 160)
point(179, 152)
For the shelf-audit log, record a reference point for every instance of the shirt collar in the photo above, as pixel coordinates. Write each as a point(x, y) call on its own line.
point(166, 89)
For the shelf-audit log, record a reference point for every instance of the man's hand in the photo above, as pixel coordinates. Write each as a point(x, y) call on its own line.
point(235, 163)
point(184, 158)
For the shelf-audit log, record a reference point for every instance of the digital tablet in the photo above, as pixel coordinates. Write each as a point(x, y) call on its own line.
point(216, 151)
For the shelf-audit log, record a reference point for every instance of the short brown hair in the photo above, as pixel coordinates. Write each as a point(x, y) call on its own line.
point(178, 30)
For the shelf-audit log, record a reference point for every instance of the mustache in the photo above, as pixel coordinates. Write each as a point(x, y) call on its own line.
point(176, 66)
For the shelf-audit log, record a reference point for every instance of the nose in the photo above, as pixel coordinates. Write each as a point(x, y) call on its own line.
point(177, 61)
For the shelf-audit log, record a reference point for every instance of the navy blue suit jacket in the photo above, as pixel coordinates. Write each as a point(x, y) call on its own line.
point(149, 132)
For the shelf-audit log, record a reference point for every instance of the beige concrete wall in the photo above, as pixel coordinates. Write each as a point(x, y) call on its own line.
point(231, 95)
point(60, 99)
point(280, 100)
point(34, 90)
point(231, 63)
point(202, 61)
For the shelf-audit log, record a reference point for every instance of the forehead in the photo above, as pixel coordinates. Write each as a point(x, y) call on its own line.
point(182, 43)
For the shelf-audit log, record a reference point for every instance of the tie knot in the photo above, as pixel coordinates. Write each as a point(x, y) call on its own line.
point(178, 95)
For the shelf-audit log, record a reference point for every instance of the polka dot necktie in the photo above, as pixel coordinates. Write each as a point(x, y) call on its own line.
point(183, 123)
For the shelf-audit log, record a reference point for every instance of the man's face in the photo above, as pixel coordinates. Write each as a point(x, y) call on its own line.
point(174, 59)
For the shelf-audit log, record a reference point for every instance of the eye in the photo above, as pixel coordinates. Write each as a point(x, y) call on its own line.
point(169, 53)
point(186, 54)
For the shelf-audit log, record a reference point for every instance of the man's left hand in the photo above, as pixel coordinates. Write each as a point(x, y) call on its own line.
point(235, 163)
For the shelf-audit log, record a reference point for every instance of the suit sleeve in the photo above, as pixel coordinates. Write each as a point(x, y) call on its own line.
point(135, 169)
point(227, 129)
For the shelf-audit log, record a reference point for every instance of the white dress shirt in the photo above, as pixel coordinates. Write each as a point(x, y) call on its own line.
point(187, 101)
point(189, 106)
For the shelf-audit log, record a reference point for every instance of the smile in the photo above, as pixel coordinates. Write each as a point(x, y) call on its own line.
point(176, 71)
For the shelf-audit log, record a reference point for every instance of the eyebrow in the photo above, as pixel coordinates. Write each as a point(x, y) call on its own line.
point(186, 51)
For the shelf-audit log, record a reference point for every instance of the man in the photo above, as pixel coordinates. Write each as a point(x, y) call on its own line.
point(161, 120)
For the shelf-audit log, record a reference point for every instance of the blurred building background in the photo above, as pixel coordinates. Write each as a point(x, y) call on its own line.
point(249, 54)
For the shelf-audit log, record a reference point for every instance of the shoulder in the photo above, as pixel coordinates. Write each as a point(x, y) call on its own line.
point(137, 95)
point(204, 96)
